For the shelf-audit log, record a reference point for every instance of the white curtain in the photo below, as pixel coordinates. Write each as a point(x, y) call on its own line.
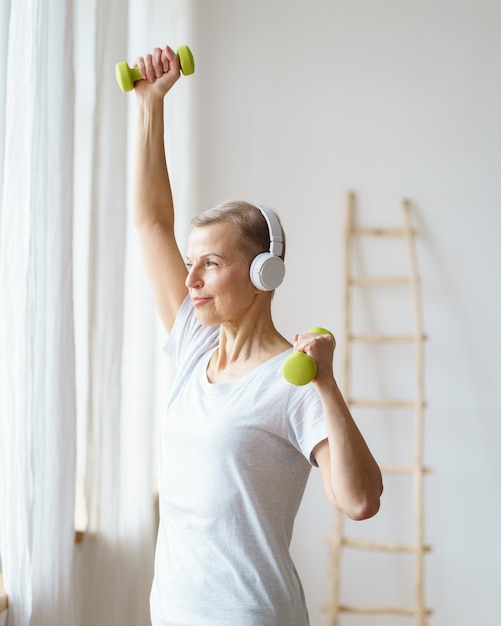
point(116, 372)
point(4, 39)
point(37, 395)
point(115, 561)
point(127, 381)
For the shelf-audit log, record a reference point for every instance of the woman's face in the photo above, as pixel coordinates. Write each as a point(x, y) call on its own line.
point(218, 275)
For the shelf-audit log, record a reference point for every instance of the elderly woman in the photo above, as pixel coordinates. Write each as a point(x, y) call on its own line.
point(237, 441)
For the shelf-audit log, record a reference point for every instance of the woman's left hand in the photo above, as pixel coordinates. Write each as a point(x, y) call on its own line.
point(321, 349)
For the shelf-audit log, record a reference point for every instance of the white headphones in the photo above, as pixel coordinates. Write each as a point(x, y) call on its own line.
point(267, 270)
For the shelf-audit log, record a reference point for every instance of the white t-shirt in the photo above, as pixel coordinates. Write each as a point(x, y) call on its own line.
point(234, 461)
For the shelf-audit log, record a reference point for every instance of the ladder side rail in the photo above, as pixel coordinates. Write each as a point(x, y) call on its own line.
point(337, 540)
point(418, 462)
point(336, 545)
point(339, 519)
point(347, 294)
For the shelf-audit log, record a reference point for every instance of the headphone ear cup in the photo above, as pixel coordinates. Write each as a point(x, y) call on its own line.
point(267, 271)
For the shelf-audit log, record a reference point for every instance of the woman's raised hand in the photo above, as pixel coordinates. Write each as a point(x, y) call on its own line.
point(160, 70)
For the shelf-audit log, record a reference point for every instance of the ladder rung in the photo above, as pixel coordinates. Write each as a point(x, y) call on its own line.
point(380, 280)
point(381, 232)
point(404, 469)
point(382, 610)
point(387, 404)
point(382, 546)
point(386, 338)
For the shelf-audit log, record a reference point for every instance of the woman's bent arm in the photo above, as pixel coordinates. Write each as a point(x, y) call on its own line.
point(352, 478)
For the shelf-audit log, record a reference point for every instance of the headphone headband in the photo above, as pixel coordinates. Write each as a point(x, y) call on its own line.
point(275, 230)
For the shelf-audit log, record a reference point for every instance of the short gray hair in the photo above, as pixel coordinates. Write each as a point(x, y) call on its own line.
point(253, 236)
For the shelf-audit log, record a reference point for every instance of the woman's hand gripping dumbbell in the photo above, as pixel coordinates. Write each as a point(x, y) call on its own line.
point(300, 368)
point(127, 76)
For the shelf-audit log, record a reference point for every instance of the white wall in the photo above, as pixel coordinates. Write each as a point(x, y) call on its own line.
point(299, 102)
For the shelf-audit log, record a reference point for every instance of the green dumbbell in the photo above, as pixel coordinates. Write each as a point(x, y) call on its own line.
point(300, 368)
point(127, 76)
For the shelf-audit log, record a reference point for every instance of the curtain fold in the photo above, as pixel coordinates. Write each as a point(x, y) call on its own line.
point(116, 559)
point(4, 41)
point(37, 399)
point(127, 379)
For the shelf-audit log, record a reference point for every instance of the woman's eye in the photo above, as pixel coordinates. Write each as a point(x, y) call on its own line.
point(208, 263)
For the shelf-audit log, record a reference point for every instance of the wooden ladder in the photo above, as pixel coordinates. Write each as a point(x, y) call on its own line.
point(412, 409)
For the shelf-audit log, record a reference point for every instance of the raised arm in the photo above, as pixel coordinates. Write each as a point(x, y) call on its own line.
point(350, 474)
point(152, 196)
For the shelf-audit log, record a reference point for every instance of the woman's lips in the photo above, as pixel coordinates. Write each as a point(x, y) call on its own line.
point(199, 301)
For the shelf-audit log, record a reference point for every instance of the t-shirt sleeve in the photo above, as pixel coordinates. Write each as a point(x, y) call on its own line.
point(305, 420)
point(188, 336)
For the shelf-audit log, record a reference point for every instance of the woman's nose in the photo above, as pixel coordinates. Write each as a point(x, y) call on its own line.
point(193, 279)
